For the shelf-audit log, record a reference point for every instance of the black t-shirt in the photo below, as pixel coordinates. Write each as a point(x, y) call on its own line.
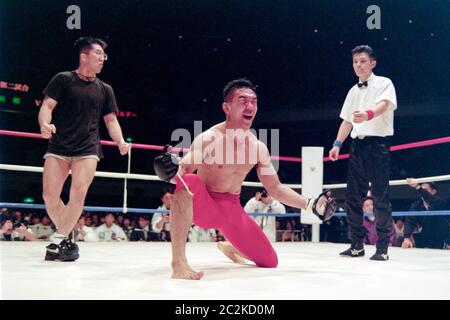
point(81, 105)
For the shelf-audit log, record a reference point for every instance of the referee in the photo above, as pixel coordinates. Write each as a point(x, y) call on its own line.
point(368, 116)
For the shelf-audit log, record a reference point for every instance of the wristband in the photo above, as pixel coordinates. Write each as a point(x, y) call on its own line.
point(337, 143)
point(370, 115)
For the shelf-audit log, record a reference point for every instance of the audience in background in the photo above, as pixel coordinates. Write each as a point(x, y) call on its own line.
point(426, 231)
point(370, 224)
point(144, 231)
point(109, 231)
point(83, 232)
point(412, 231)
point(262, 202)
point(197, 234)
point(44, 229)
point(160, 220)
point(10, 230)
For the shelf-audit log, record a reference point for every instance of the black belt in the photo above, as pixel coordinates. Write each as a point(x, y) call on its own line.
point(371, 139)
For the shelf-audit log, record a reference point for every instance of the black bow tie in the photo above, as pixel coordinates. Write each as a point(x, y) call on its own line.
point(362, 84)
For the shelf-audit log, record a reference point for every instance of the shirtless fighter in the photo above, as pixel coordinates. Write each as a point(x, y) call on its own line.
point(223, 156)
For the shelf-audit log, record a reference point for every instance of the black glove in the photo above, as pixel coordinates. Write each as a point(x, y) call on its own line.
point(166, 165)
point(323, 206)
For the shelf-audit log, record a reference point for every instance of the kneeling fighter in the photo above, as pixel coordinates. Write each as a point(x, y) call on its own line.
point(223, 156)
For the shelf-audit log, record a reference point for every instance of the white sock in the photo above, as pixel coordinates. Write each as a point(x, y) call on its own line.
point(57, 238)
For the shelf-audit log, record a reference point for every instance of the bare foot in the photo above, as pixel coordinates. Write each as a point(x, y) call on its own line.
point(184, 271)
point(230, 252)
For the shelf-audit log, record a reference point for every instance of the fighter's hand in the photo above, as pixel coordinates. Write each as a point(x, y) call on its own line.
point(169, 149)
point(323, 206)
point(411, 182)
point(334, 153)
point(166, 165)
point(360, 116)
point(47, 130)
point(124, 147)
point(407, 243)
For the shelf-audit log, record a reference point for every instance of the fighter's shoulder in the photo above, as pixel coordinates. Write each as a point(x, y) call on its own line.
point(260, 144)
point(215, 131)
point(204, 138)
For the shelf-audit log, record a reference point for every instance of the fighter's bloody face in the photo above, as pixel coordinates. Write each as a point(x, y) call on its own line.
point(93, 58)
point(363, 65)
point(241, 108)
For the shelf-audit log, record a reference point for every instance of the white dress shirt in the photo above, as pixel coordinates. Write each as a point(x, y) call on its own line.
point(364, 98)
point(108, 234)
point(157, 217)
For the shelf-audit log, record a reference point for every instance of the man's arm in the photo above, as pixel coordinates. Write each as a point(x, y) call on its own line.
point(160, 224)
point(115, 132)
point(269, 178)
point(120, 233)
point(380, 108)
point(29, 235)
point(157, 222)
point(278, 207)
point(45, 117)
point(343, 132)
point(193, 159)
point(251, 205)
point(435, 202)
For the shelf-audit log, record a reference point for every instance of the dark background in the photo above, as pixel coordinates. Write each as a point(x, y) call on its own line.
point(169, 60)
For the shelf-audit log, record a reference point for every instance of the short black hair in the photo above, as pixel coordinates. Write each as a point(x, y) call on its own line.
point(367, 198)
point(146, 218)
point(85, 43)
point(164, 193)
point(237, 84)
point(5, 217)
point(364, 48)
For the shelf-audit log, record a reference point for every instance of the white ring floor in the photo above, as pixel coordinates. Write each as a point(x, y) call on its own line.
point(137, 270)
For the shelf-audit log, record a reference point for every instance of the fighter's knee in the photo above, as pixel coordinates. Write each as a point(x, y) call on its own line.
point(273, 261)
point(50, 196)
point(78, 194)
point(269, 262)
point(181, 200)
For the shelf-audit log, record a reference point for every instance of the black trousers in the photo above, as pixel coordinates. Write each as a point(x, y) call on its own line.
point(370, 161)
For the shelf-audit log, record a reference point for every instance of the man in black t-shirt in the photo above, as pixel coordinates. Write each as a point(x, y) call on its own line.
point(70, 118)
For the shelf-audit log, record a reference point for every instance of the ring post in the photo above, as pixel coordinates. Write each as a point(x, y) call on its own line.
point(125, 183)
point(312, 180)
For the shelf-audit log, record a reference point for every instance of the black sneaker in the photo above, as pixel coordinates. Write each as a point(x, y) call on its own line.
point(66, 250)
point(380, 255)
point(354, 251)
point(71, 244)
